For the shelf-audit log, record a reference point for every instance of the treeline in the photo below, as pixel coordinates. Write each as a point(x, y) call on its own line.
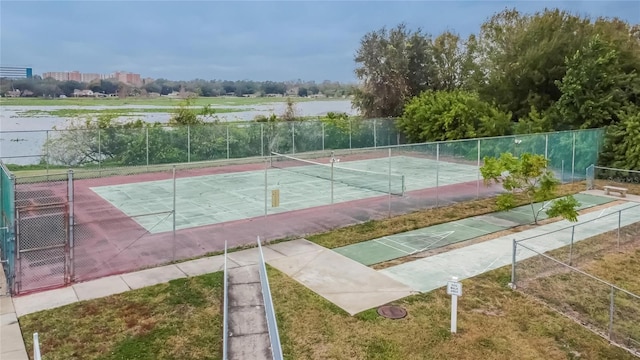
point(547, 71)
point(38, 87)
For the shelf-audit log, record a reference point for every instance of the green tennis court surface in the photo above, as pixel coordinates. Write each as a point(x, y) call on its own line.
point(211, 199)
point(432, 237)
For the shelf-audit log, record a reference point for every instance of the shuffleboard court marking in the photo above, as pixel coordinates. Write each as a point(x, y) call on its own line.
point(379, 241)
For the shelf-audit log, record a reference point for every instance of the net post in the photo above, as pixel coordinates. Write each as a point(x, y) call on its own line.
point(332, 161)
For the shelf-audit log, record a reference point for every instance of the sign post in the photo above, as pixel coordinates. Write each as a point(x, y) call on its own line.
point(454, 288)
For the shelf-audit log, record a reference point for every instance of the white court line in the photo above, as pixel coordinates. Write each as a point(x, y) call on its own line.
point(379, 242)
point(471, 227)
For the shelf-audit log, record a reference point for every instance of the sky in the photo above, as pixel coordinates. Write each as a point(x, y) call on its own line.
point(255, 40)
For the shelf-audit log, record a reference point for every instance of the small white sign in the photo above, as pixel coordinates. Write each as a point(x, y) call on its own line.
point(454, 288)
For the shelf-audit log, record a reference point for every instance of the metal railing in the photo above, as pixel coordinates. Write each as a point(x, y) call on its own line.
point(612, 175)
point(272, 325)
point(225, 309)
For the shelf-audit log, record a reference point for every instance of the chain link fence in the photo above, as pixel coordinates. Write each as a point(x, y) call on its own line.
point(110, 220)
point(567, 270)
point(600, 176)
point(7, 222)
point(89, 145)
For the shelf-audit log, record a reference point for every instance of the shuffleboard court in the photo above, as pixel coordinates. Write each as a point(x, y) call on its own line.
point(408, 243)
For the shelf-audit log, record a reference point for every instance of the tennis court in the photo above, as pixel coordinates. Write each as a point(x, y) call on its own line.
point(211, 199)
point(432, 237)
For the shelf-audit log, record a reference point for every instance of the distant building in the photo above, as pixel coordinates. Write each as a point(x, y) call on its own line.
point(56, 75)
point(16, 72)
point(87, 78)
point(120, 76)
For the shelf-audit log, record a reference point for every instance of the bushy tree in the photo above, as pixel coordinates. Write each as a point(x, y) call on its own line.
point(529, 176)
point(451, 115)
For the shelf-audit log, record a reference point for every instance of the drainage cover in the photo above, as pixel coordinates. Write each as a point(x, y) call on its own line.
point(392, 312)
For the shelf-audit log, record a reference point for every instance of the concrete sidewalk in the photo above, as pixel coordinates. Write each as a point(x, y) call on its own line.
point(350, 285)
point(434, 271)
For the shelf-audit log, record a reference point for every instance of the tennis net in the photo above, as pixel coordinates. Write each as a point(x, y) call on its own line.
point(381, 182)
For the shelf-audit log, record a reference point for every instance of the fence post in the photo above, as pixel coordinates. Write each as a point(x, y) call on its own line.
point(375, 134)
point(619, 225)
point(174, 213)
point(350, 134)
point(573, 230)
point(261, 139)
point(227, 141)
point(71, 234)
point(36, 347)
point(293, 137)
point(16, 248)
point(147, 136)
point(513, 264)
point(573, 158)
point(188, 143)
point(546, 146)
point(478, 181)
point(322, 124)
point(562, 173)
point(46, 153)
point(99, 151)
point(437, 174)
point(611, 311)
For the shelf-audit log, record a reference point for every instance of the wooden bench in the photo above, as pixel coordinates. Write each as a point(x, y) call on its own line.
point(622, 191)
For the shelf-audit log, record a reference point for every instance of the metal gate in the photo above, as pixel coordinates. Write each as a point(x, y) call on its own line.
point(42, 239)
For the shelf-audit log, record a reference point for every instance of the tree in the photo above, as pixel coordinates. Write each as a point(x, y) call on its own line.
point(290, 112)
point(528, 176)
point(621, 147)
point(594, 88)
point(524, 56)
point(393, 66)
point(184, 114)
point(451, 115)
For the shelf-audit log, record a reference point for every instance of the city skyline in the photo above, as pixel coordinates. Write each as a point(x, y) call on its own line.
point(259, 41)
point(121, 76)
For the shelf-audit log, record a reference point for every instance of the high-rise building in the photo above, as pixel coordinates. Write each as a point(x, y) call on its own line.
point(87, 78)
point(120, 76)
point(56, 75)
point(16, 72)
point(75, 76)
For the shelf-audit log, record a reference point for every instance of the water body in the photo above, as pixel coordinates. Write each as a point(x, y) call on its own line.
point(22, 138)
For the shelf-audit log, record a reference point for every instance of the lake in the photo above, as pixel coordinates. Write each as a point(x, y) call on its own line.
point(22, 137)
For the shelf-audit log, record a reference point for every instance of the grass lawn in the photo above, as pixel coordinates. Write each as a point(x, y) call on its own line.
point(182, 319)
point(162, 101)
